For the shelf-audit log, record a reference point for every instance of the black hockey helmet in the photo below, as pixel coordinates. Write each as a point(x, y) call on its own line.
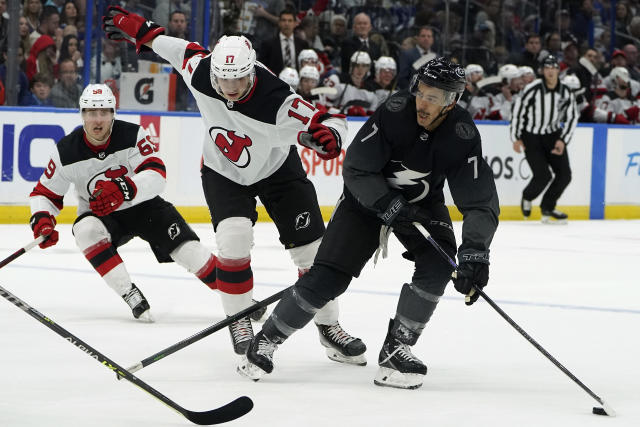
point(550, 61)
point(440, 73)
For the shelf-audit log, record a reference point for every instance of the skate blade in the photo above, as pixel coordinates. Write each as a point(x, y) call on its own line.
point(336, 356)
point(146, 317)
point(551, 221)
point(249, 370)
point(387, 377)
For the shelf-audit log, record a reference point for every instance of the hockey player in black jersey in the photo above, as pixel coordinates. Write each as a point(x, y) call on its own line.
point(394, 173)
point(253, 123)
point(118, 173)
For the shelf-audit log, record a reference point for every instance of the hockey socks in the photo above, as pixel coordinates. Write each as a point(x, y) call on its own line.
point(399, 368)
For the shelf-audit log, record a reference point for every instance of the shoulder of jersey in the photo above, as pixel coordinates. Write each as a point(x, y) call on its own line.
point(462, 125)
point(268, 84)
point(399, 101)
point(535, 83)
point(70, 147)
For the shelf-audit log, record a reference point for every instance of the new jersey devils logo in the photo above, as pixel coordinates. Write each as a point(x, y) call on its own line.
point(232, 146)
point(107, 175)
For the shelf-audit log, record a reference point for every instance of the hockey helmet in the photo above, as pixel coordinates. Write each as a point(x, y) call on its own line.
point(442, 74)
point(619, 72)
point(571, 81)
point(309, 72)
point(385, 63)
point(360, 57)
point(473, 69)
point(233, 57)
point(290, 76)
point(550, 61)
point(509, 72)
point(97, 96)
point(525, 70)
point(307, 55)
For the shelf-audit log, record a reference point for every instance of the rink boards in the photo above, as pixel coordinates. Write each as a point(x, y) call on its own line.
point(605, 161)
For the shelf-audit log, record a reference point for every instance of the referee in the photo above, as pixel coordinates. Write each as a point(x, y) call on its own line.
point(536, 126)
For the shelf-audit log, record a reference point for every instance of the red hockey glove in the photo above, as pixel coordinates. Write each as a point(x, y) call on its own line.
point(356, 110)
point(618, 119)
point(323, 140)
point(121, 25)
point(108, 196)
point(632, 113)
point(42, 224)
point(494, 115)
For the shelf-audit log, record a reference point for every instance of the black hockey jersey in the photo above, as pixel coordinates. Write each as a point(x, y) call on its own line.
point(393, 154)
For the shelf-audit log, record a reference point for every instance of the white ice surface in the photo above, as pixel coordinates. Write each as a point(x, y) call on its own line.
point(575, 289)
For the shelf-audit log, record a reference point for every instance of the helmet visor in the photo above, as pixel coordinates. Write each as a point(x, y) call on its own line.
point(433, 95)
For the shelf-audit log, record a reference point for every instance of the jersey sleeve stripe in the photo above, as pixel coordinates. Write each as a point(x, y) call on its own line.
point(41, 190)
point(192, 50)
point(154, 164)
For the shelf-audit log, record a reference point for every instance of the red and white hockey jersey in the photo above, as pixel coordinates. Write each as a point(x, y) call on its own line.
point(248, 140)
point(129, 151)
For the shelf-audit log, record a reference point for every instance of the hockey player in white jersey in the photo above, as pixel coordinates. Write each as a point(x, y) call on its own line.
point(512, 84)
point(384, 82)
point(619, 105)
point(352, 98)
point(290, 76)
point(118, 174)
point(253, 122)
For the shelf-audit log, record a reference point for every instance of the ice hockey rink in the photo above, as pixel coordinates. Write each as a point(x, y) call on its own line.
point(574, 288)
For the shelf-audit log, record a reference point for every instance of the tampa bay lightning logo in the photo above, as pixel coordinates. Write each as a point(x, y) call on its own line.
point(409, 181)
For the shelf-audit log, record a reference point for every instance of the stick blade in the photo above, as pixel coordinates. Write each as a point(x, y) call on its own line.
point(229, 412)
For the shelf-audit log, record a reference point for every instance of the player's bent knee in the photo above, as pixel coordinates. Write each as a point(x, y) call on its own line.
point(303, 256)
point(191, 255)
point(322, 284)
point(89, 231)
point(235, 238)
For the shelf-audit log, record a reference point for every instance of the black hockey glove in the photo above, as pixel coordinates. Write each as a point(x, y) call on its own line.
point(472, 271)
point(400, 215)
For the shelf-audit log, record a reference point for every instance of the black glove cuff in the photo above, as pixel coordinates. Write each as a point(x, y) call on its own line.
point(393, 209)
point(471, 255)
point(36, 217)
point(126, 188)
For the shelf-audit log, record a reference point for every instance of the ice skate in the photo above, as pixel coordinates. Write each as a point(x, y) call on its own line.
point(241, 333)
point(138, 304)
point(341, 346)
point(259, 357)
point(525, 206)
point(399, 368)
point(554, 217)
point(260, 314)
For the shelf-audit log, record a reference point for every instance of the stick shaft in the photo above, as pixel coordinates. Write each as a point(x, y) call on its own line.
point(22, 250)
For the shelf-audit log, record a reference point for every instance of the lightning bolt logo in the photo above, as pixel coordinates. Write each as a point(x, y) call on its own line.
point(407, 178)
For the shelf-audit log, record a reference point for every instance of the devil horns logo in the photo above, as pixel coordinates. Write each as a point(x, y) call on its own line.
point(232, 146)
point(107, 175)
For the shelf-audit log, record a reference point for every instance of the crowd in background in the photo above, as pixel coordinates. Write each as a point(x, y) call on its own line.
point(362, 50)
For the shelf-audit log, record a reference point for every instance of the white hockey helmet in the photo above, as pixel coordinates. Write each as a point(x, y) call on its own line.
point(233, 57)
point(525, 70)
point(620, 72)
point(509, 72)
point(473, 69)
point(290, 76)
point(307, 55)
point(385, 63)
point(571, 81)
point(97, 96)
point(309, 72)
point(360, 57)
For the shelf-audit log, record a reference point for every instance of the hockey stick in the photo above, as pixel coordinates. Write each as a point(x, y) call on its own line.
point(22, 250)
point(228, 412)
point(204, 333)
point(608, 410)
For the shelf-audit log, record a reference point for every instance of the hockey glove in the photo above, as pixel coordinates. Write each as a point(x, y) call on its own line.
point(400, 215)
point(42, 224)
point(472, 271)
point(108, 196)
point(356, 110)
point(121, 25)
point(632, 113)
point(619, 119)
point(322, 139)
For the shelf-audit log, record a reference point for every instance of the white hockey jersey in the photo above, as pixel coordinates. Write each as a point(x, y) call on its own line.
point(247, 140)
point(130, 151)
point(609, 105)
point(347, 93)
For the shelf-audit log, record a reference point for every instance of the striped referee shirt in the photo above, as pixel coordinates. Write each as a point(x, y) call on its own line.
point(539, 110)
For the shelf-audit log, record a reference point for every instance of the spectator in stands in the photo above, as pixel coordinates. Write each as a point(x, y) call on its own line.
point(23, 82)
point(512, 35)
point(49, 23)
point(67, 91)
point(634, 27)
point(623, 19)
point(69, 14)
point(383, 83)
point(177, 26)
point(333, 41)
point(310, 26)
point(268, 16)
point(70, 50)
point(553, 44)
point(530, 54)
point(4, 23)
point(42, 58)
point(618, 59)
point(282, 50)
point(569, 54)
point(110, 62)
point(582, 19)
point(359, 41)
point(423, 49)
point(603, 40)
point(31, 10)
point(632, 60)
point(164, 9)
point(25, 40)
point(40, 95)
